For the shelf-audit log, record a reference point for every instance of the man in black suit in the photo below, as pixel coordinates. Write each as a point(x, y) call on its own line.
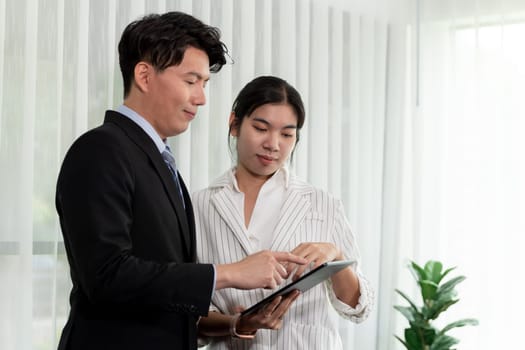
point(125, 213)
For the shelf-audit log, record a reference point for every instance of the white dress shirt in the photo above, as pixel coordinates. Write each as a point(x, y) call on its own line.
point(264, 217)
point(305, 214)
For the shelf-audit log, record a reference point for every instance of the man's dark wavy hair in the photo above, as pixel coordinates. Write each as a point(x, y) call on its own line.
point(161, 40)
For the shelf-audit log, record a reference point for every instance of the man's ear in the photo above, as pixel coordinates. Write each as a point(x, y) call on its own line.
point(233, 129)
point(142, 75)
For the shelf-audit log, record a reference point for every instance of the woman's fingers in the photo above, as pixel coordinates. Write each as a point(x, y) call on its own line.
point(271, 316)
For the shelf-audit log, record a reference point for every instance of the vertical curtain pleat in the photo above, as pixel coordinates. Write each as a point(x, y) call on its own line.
point(111, 54)
point(3, 31)
point(243, 44)
point(57, 80)
point(154, 6)
point(221, 95)
point(334, 112)
point(27, 144)
point(283, 39)
point(198, 175)
point(302, 30)
point(396, 91)
point(82, 104)
point(265, 30)
point(351, 125)
point(318, 97)
point(92, 79)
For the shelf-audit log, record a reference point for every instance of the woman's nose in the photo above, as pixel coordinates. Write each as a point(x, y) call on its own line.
point(272, 142)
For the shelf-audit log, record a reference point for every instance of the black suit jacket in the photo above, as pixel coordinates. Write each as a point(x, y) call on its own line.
point(130, 245)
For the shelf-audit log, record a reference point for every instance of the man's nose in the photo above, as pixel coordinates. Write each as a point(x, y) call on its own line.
point(199, 96)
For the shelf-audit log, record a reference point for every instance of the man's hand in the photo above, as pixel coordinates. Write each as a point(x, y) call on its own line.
point(261, 270)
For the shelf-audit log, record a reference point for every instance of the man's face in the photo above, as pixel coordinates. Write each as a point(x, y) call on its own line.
point(175, 94)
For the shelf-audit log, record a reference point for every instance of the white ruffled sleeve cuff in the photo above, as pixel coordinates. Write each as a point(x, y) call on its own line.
point(360, 312)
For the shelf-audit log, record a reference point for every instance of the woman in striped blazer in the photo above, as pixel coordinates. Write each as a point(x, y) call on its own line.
point(259, 205)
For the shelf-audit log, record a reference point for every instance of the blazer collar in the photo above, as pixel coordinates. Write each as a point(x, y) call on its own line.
point(146, 144)
point(295, 206)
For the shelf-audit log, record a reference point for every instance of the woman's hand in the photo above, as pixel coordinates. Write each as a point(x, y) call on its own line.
point(344, 283)
point(268, 317)
point(315, 253)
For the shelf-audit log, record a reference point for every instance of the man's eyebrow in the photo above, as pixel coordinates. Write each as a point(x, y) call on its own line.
point(198, 76)
point(264, 121)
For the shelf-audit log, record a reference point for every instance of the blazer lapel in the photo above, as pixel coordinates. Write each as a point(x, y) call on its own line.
point(144, 142)
point(296, 205)
point(225, 206)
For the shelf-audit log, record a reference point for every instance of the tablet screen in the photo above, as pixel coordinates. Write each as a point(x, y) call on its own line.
point(305, 282)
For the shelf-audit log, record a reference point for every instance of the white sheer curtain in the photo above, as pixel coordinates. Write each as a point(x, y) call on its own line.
point(59, 72)
point(462, 194)
point(480, 168)
point(417, 128)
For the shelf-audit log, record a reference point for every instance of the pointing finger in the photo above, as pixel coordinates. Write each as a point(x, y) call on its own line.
point(288, 257)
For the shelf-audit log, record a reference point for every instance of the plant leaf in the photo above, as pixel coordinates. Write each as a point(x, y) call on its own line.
point(443, 342)
point(417, 271)
point(428, 334)
point(407, 299)
point(412, 339)
point(408, 312)
point(402, 341)
point(460, 323)
point(449, 285)
point(433, 270)
point(446, 273)
point(437, 298)
point(428, 289)
point(421, 324)
point(438, 307)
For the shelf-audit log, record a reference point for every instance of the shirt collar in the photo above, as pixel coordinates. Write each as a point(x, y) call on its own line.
point(281, 176)
point(144, 124)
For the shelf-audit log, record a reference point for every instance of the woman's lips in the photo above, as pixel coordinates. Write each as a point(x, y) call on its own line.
point(266, 160)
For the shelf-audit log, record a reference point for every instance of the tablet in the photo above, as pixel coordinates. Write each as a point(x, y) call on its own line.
point(305, 282)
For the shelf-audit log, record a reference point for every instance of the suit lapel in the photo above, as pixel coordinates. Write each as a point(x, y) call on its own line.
point(188, 238)
point(144, 142)
point(296, 205)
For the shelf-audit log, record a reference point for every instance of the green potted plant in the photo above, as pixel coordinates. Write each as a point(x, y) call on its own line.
point(437, 297)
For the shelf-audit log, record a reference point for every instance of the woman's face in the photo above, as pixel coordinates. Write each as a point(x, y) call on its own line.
point(265, 139)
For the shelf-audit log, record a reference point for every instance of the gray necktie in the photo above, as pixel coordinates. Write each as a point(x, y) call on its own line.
point(170, 162)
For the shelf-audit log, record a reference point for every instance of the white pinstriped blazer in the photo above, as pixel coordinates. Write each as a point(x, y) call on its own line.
point(307, 215)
